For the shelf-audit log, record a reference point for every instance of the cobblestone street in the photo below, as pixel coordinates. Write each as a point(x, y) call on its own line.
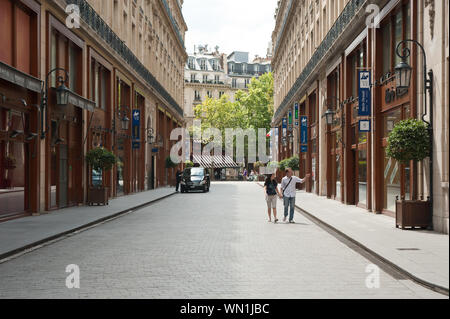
point(201, 245)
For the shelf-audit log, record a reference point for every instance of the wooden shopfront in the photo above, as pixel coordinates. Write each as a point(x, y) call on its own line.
point(357, 169)
point(335, 143)
point(19, 108)
point(138, 142)
point(392, 105)
point(312, 156)
point(122, 138)
point(64, 124)
point(100, 76)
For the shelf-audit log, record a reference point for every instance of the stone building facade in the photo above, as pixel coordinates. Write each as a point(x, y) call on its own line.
point(121, 59)
point(319, 47)
point(214, 74)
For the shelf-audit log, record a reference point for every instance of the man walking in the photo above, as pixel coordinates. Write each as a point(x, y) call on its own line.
point(288, 189)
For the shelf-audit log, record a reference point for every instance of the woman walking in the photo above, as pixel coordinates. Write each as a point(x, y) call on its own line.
point(271, 191)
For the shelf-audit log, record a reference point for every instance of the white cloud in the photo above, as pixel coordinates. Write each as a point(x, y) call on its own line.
point(233, 25)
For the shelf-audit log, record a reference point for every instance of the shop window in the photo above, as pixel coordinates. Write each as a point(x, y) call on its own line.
point(362, 176)
point(103, 88)
point(398, 34)
point(362, 137)
point(386, 40)
point(390, 119)
point(393, 171)
point(338, 177)
point(353, 134)
point(99, 84)
point(391, 183)
point(53, 59)
point(73, 68)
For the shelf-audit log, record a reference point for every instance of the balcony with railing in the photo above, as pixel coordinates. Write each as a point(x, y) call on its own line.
point(104, 31)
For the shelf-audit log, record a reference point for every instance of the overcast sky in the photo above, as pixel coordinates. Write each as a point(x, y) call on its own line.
point(233, 25)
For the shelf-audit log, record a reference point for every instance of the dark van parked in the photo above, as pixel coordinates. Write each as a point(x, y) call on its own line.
point(195, 178)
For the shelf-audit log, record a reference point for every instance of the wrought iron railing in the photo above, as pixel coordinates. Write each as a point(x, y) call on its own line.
point(283, 26)
point(338, 27)
point(93, 19)
point(172, 20)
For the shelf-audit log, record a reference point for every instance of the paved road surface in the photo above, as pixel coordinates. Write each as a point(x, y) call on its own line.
point(214, 245)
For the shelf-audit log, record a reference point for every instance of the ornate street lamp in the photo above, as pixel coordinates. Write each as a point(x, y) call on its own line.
point(329, 116)
point(121, 115)
point(62, 96)
point(403, 75)
point(125, 122)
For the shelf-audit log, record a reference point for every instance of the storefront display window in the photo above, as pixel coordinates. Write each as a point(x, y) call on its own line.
point(13, 166)
point(362, 176)
point(394, 178)
point(386, 35)
point(391, 183)
point(338, 177)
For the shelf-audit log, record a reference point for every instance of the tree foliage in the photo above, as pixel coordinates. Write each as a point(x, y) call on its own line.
point(409, 141)
point(251, 109)
point(100, 159)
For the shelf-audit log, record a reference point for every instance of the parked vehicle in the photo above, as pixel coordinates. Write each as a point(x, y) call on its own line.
point(195, 178)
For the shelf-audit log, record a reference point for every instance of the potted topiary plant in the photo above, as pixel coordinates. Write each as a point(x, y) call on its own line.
point(410, 141)
point(100, 160)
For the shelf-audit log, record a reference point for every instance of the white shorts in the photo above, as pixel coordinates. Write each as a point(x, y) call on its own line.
point(271, 201)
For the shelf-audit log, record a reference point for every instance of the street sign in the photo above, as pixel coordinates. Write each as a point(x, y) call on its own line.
point(364, 125)
point(364, 93)
point(136, 145)
point(303, 148)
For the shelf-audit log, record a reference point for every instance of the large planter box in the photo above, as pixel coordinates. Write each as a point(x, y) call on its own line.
point(413, 214)
point(98, 196)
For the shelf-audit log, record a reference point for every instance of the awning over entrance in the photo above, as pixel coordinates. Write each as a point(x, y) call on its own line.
point(19, 78)
point(216, 161)
point(81, 102)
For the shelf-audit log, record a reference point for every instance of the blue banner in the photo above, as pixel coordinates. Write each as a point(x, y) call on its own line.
point(136, 128)
point(284, 126)
point(136, 124)
point(303, 130)
point(290, 117)
point(296, 113)
point(364, 93)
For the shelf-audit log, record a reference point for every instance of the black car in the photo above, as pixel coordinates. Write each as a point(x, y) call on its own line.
point(195, 178)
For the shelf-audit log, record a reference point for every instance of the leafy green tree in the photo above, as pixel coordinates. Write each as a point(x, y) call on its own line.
point(409, 141)
point(252, 109)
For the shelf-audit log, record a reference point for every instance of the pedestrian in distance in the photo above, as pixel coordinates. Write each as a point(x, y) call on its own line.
point(271, 192)
point(178, 178)
point(288, 188)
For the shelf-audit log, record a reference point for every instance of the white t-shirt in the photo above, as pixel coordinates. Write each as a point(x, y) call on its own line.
point(289, 191)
